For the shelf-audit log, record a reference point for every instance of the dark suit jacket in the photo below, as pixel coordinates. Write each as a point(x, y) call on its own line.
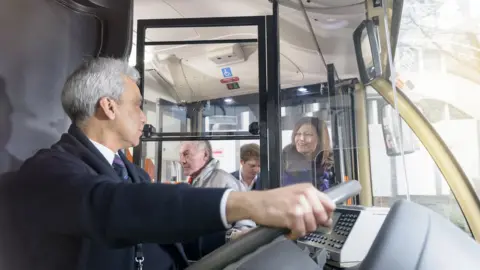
point(236, 174)
point(66, 208)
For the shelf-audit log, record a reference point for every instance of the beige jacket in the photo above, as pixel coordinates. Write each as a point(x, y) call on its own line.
point(213, 177)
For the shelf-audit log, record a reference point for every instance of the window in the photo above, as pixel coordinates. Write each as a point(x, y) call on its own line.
point(407, 59)
point(436, 110)
point(420, 175)
point(432, 60)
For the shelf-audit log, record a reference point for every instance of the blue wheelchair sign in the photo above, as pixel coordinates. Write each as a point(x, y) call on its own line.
point(227, 72)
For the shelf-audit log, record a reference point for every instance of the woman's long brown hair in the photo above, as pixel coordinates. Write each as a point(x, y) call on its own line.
point(323, 139)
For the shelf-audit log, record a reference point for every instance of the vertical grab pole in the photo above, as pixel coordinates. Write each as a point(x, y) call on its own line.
point(264, 182)
point(274, 103)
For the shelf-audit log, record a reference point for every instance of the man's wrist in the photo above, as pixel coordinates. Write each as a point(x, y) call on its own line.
point(240, 205)
point(223, 208)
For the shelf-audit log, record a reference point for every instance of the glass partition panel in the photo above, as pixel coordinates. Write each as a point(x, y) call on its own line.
point(317, 136)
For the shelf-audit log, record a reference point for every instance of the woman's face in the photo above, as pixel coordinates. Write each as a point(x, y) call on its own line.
point(306, 139)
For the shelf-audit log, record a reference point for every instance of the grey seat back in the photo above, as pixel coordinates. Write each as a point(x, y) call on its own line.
point(43, 41)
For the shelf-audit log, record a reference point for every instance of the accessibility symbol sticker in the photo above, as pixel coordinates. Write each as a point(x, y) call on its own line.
point(227, 72)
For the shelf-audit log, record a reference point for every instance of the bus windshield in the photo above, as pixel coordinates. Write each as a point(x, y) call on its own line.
point(437, 65)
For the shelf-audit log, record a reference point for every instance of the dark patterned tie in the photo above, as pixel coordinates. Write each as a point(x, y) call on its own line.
point(120, 168)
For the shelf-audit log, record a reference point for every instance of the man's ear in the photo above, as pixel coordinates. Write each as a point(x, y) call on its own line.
point(107, 107)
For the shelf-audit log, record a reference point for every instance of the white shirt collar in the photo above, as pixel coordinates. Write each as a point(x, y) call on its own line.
point(249, 187)
point(105, 151)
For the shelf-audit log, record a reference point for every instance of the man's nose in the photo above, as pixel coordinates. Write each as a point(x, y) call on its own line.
point(143, 118)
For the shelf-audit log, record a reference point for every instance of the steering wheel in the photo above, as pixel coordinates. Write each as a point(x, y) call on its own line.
point(260, 236)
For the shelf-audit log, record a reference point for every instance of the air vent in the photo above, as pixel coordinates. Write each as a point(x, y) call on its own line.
point(227, 55)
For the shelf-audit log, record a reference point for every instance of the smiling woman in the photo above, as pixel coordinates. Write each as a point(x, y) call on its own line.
point(309, 155)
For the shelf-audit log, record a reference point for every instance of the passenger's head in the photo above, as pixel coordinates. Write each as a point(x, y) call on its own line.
point(194, 155)
point(308, 135)
point(102, 96)
point(250, 159)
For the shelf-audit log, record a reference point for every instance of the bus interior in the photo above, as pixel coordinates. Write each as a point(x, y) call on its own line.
point(394, 81)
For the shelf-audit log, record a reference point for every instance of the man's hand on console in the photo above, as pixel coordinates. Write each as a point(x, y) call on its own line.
point(300, 208)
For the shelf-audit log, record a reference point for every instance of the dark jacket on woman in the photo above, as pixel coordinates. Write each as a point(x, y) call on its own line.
point(297, 169)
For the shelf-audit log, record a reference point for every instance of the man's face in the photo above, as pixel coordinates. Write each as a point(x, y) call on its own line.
point(129, 118)
point(192, 158)
point(250, 168)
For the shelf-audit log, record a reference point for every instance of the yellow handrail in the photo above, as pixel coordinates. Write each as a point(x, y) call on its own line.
point(363, 149)
point(456, 178)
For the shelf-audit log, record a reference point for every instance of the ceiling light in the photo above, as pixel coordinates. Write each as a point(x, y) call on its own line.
point(228, 100)
point(302, 89)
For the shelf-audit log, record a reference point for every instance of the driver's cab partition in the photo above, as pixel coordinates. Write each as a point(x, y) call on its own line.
point(341, 93)
point(189, 118)
point(235, 119)
point(220, 121)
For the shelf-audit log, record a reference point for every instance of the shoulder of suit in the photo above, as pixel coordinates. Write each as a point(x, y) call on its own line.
point(56, 157)
point(55, 153)
point(144, 176)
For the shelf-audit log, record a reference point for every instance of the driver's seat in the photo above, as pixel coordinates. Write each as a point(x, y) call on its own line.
point(415, 237)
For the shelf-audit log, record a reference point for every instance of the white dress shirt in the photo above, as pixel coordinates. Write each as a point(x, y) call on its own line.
point(249, 187)
point(109, 155)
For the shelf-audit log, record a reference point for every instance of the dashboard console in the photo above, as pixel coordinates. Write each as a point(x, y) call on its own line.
point(365, 239)
point(347, 242)
point(343, 245)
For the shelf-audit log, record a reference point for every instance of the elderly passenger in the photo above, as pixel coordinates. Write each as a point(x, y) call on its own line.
point(203, 171)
